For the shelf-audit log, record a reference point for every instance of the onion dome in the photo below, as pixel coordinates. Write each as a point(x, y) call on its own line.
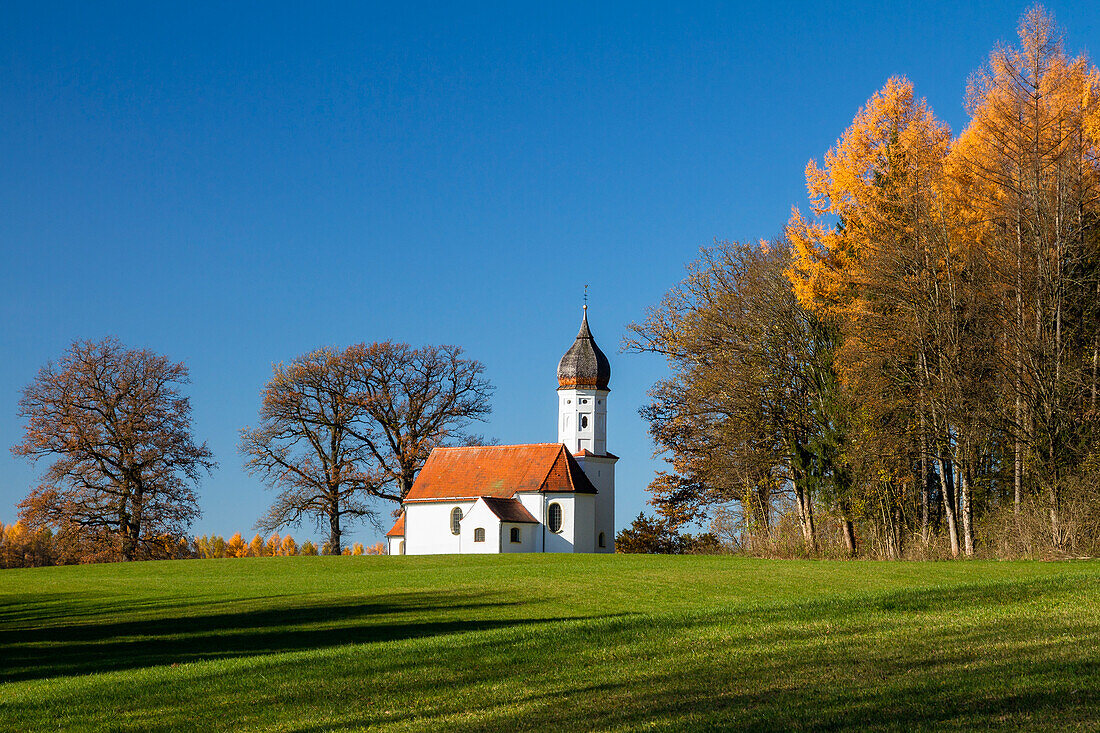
point(584, 366)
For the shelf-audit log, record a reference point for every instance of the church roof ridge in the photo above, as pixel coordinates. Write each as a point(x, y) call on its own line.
point(500, 471)
point(503, 445)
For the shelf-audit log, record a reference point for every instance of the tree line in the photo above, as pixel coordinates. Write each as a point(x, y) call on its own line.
point(21, 547)
point(340, 438)
point(911, 368)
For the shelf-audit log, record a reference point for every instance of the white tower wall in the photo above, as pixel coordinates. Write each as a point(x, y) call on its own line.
point(582, 419)
point(600, 470)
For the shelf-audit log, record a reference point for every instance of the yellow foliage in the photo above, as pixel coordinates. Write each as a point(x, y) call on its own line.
point(273, 546)
point(236, 546)
point(288, 546)
point(872, 189)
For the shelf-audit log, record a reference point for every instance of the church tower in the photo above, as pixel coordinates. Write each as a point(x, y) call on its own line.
point(583, 377)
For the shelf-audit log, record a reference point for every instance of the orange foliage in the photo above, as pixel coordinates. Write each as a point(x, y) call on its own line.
point(874, 185)
point(274, 545)
point(236, 546)
point(288, 546)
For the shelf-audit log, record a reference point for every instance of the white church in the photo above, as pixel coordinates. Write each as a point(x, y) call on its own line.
point(539, 497)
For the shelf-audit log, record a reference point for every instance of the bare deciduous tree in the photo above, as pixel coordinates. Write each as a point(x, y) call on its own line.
point(412, 400)
point(119, 431)
point(338, 428)
point(304, 448)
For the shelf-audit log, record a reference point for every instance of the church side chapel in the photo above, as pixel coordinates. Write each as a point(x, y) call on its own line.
point(539, 497)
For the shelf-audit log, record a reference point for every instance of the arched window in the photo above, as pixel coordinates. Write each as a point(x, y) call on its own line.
point(401, 547)
point(555, 518)
point(514, 535)
point(602, 542)
point(456, 520)
point(479, 534)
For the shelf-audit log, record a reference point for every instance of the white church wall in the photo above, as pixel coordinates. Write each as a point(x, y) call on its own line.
point(428, 527)
point(480, 517)
point(535, 503)
point(396, 546)
point(584, 523)
point(527, 536)
point(562, 541)
point(601, 472)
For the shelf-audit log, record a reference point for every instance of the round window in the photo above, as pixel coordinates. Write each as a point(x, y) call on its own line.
point(555, 518)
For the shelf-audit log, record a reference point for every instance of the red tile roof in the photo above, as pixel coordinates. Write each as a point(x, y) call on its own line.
point(398, 528)
point(500, 471)
point(509, 510)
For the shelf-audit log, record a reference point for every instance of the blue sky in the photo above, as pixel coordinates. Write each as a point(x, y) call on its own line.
point(234, 186)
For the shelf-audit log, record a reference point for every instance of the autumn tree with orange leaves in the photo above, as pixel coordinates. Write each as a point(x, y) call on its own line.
point(1029, 166)
point(961, 276)
point(116, 429)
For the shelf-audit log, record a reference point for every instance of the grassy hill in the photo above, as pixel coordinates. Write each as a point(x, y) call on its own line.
point(555, 642)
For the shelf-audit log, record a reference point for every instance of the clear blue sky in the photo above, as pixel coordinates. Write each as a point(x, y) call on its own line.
point(235, 184)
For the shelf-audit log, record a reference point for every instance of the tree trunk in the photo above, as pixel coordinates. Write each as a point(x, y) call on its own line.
point(948, 506)
point(806, 518)
point(925, 487)
point(1055, 501)
point(129, 545)
point(1018, 447)
point(334, 532)
point(849, 531)
point(967, 509)
point(130, 517)
point(1018, 460)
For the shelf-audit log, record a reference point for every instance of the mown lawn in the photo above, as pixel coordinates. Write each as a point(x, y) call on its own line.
point(556, 642)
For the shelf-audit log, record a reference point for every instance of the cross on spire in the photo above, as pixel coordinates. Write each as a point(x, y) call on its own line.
point(586, 296)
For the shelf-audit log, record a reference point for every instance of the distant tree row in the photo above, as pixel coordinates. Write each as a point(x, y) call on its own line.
point(21, 547)
point(912, 369)
point(216, 546)
point(342, 435)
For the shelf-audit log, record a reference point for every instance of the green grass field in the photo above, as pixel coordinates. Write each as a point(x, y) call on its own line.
point(552, 642)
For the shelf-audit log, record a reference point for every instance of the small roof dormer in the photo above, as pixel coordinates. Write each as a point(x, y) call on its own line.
point(584, 366)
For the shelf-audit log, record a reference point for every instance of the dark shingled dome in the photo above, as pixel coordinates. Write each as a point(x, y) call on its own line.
point(584, 365)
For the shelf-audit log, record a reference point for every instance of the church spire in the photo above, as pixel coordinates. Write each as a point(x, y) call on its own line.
point(584, 365)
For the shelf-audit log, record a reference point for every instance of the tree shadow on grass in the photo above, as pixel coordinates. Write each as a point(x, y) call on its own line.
point(35, 652)
point(961, 657)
